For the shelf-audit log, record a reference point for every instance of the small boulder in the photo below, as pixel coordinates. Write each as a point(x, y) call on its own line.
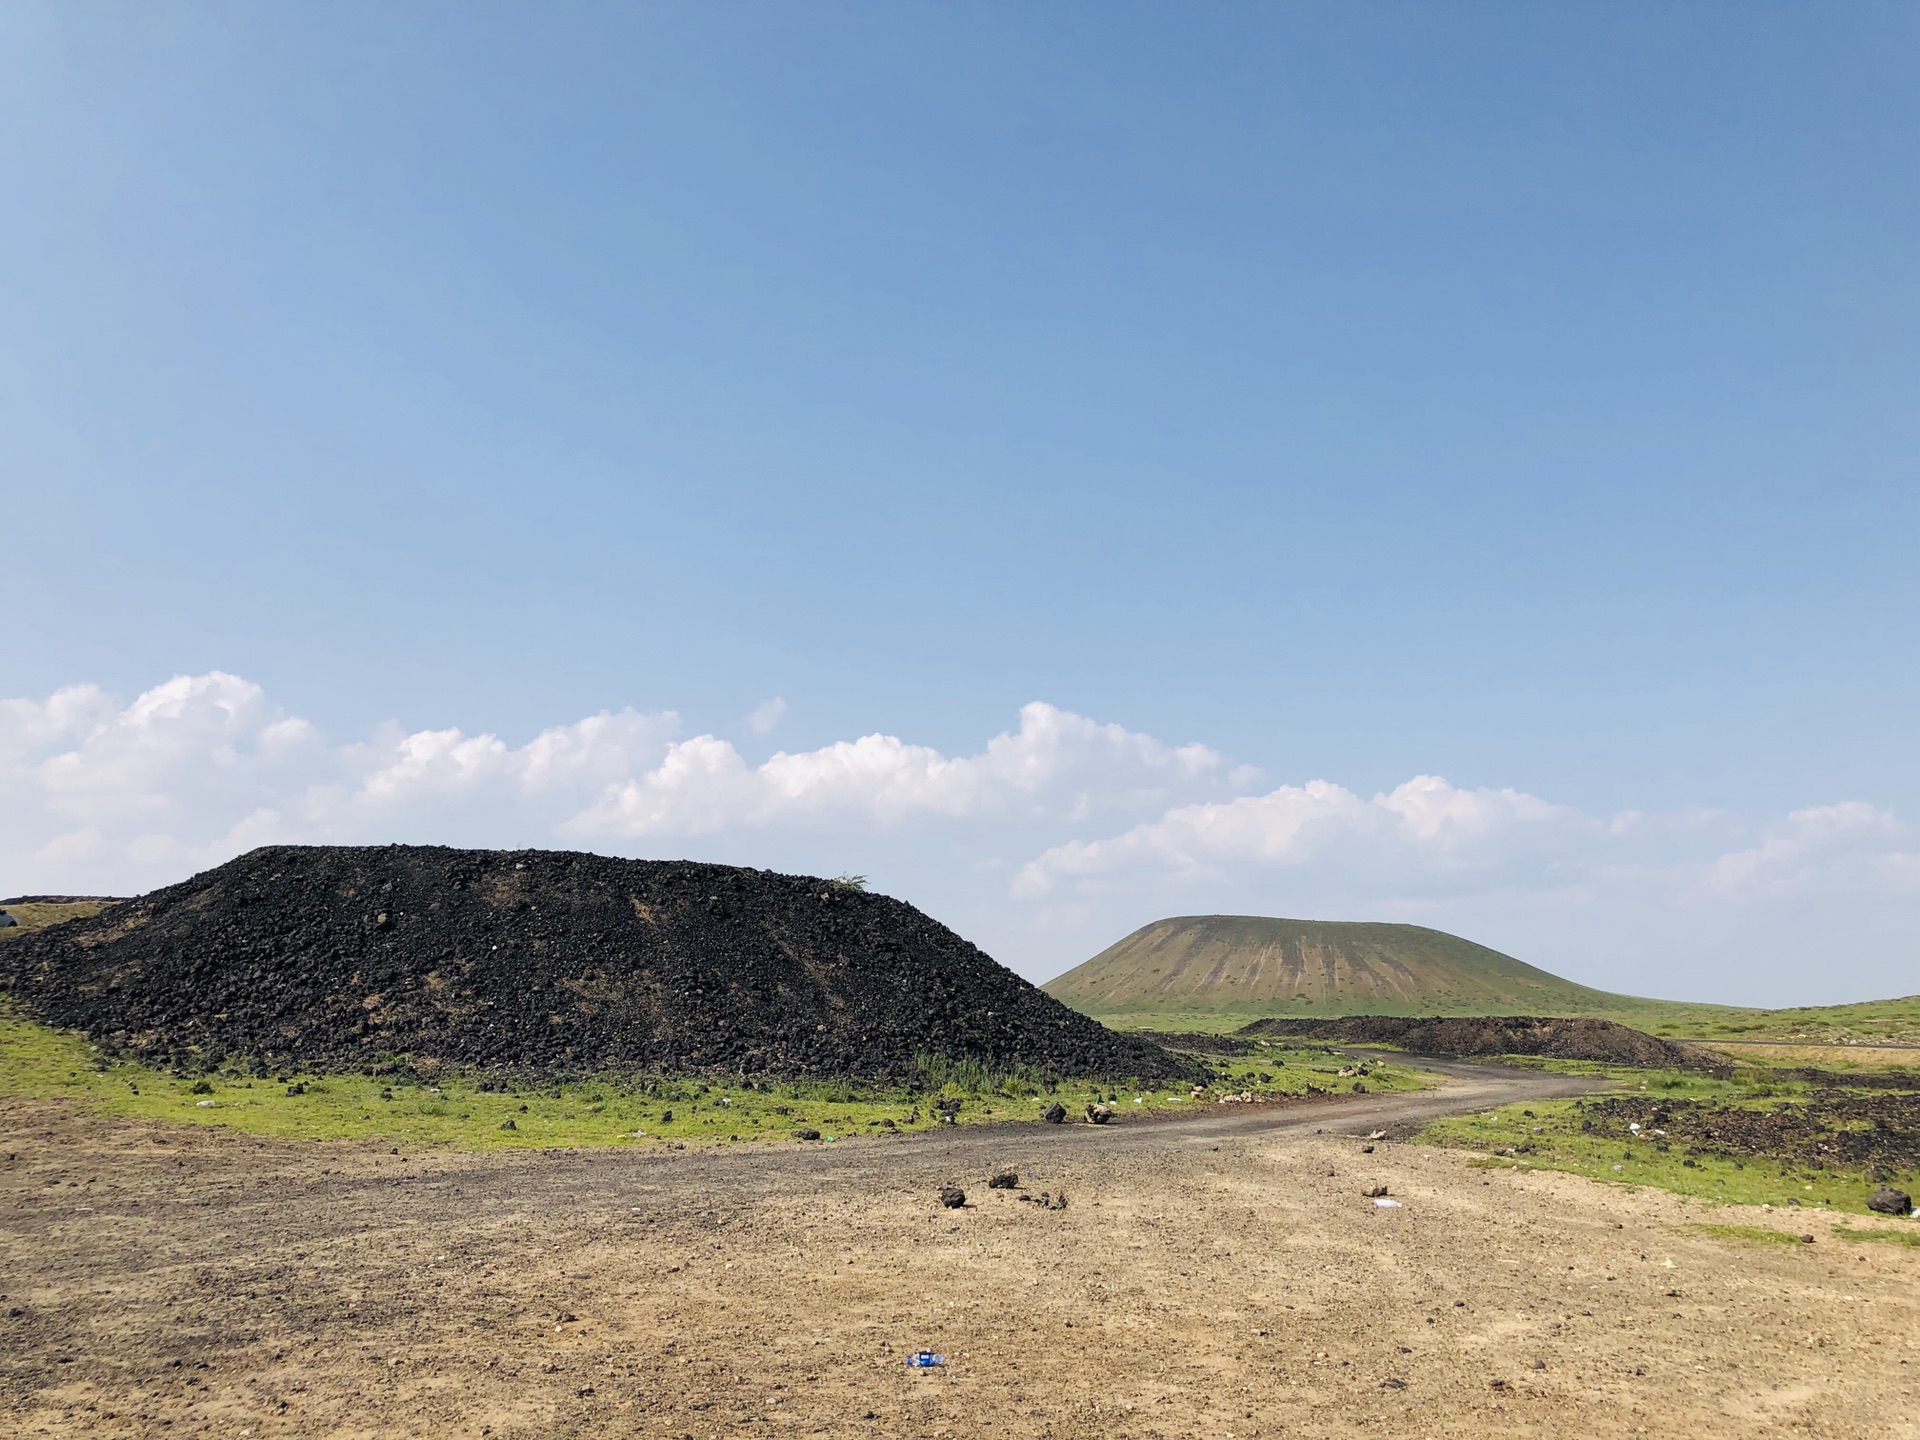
point(1005, 1180)
point(1054, 1114)
point(1099, 1114)
point(952, 1196)
point(1375, 1192)
point(1889, 1201)
point(806, 1133)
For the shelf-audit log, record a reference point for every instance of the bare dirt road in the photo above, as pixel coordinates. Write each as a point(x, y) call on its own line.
point(1217, 1276)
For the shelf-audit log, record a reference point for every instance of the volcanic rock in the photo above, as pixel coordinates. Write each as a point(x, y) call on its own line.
point(1889, 1201)
point(952, 1196)
point(1560, 1039)
point(544, 962)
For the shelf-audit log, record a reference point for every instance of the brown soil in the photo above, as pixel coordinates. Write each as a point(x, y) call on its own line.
point(1221, 1276)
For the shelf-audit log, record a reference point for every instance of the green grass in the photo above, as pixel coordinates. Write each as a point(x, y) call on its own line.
point(38, 917)
point(1871, 1022)
point(1894, 1022)
point(1760, 1234)
point(1553, 1131)
point(1891, 1237)
point(1674, 1018)
point(454, 1112)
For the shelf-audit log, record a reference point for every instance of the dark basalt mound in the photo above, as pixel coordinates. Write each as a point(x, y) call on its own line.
point(1557, 1039)
point(544, 961)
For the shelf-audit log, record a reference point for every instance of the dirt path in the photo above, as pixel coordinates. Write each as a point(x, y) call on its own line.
point(1221, 1275)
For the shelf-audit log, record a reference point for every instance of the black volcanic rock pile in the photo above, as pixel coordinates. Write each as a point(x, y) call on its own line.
point(545, 962)
point(1560, 1039)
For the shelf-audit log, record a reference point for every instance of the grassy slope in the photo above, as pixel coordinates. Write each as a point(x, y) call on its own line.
point(41, 1062)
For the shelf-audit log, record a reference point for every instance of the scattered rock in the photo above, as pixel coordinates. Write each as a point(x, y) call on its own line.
point(1889, 1201)
point(806, 1132)
point(952, 1196)
point(1375, 1192)
point(1054, 1114)
point(508, 1124)
point(1005, 1180)
point(1099, 1114)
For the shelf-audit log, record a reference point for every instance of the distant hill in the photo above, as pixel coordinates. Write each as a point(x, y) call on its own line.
point(1239, 967)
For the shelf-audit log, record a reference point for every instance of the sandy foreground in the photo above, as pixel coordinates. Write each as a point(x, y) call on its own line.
point(1221, 1278)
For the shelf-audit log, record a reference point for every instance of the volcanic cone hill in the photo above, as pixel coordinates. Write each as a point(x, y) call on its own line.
point(546, 962)
point(1248, 965)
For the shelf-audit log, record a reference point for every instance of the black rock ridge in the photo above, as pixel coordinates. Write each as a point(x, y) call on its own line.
point(546, 962)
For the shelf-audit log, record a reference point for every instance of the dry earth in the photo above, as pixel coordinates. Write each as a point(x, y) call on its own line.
point(1214, 1277)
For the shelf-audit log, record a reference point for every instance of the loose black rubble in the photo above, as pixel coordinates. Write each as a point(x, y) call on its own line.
point(1828, 1128)
point(544, 962)
point(1559, 1039)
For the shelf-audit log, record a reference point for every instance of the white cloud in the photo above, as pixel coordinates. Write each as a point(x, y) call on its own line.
point(1825, 844)
point(1056, 766)
point(1044, 845)
point(203, 767)
point(766, 716)
point(1423, 825)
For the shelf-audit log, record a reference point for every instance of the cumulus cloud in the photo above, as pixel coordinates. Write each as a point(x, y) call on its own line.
point(203, 767)
point(1057, 766)
point(1853, 844)
point(1424, 825)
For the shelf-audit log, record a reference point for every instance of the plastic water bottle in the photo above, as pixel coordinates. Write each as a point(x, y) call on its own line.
point(925, 1360)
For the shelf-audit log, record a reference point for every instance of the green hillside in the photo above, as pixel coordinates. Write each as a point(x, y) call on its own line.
point(1200, 971)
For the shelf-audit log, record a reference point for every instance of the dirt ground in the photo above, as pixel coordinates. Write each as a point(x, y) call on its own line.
point(1221, 1277)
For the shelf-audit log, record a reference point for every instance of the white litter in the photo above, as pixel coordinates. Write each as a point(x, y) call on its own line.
point(209, 1104)
point(1385, 1204)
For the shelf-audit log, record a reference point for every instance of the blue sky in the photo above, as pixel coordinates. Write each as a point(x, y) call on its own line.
point(1519, 395)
